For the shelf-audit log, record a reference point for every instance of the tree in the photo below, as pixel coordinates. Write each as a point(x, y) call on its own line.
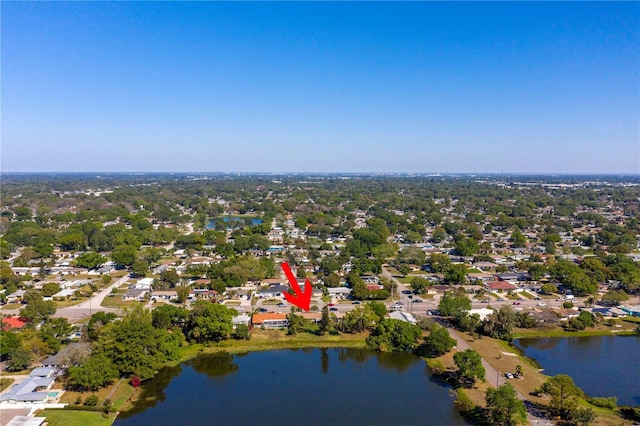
point(450, 304)
point(548, 289)
point(140, 268)
point(241, 332)
point(9, 341)
point(394, 335)
point(96, 372)
point(135, 346)
point(504, 407)
point(358, 320)
point(469, 365)
point(49, 289)
point(332, 280)
point(57, 329)
point(124, 255)
point(500, 324)
point(437, 343)
point(614, 297)
point(19, 359)
point(182, 292)
point(563, 393)
point(420, 285)
point(209, 322)
point(90, 260)
point(379, 308)
point(37, 310)
point(456, 274)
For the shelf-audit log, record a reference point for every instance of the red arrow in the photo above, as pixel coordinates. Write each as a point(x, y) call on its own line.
point(301, 300)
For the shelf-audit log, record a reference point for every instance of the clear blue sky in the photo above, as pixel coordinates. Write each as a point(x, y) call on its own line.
point(321, 87)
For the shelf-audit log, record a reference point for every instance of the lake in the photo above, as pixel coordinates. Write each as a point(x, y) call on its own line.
point(600, 365)
point(234, 220)
point(291, 387)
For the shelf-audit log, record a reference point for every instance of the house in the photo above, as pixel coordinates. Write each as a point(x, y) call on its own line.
point(143, 284)
point(272, 291)
point(16, 296)
point(483, 313)
point(12, 323)
point(135, 294)
point(339, 292)
point(164, 294)
point(403, 316)
point(33, 389)
point(312, 316)
point(64, 355)
point(270, 321)
point(242, 319)
point(500, 286)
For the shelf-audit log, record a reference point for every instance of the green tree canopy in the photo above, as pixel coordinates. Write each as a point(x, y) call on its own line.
point(503, 406)
point(394, 335)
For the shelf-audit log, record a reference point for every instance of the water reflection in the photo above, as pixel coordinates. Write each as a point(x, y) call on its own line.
point(214, 365)
point(390, 388)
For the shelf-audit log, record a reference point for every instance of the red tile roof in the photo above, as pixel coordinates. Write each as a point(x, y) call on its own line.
point(12, 323)
point(501, 285)
point(270, 316)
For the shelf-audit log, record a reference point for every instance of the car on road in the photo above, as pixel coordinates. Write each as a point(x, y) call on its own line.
point(542, 304)
point(517, 303)
point(357, 302)
point(484, 301)
point(282, 305)
point(417, 300)
point(333, 309)
point(263, 309)
point(331, 304)
point(406, 291)
point(537, 298)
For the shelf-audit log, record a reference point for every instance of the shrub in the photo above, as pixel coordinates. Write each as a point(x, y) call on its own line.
point(567, 305)
point(78, 400)
point(91, 401)
point(135, 381)
point(610, 402)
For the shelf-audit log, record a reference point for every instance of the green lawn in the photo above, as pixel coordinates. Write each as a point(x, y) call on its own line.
point(75, 418)
point(5, 382)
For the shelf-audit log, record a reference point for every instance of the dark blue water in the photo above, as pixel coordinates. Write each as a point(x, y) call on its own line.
point(600, 366)
point(234, 221)
point(296, 387)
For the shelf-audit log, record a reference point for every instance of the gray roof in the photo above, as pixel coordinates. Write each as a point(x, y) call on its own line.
point(274, 289)
point(24, 391)
point(63, 355)
point(42, 372)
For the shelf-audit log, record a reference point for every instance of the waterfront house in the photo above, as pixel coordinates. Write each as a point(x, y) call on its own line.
point(270, 321)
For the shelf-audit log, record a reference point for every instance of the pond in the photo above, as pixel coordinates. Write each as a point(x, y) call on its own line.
point(599, 365)
point(234, 221)
point(307, 386)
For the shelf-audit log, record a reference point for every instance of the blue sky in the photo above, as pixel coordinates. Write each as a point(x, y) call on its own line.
point(321, 87)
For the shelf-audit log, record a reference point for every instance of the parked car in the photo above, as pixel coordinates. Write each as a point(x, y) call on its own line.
point(508, 375)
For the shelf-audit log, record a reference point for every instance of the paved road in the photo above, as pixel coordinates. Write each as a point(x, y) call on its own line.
point(495, 379)
point(92, 305)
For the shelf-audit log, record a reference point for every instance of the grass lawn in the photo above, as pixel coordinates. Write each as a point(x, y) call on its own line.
point(12, 306)
point(70, 302)
point(264, 340)
point(120, 391)
point(527, 295)
point(405, 280)
point(115, 301)
point(5, 382)
point(76, 418)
